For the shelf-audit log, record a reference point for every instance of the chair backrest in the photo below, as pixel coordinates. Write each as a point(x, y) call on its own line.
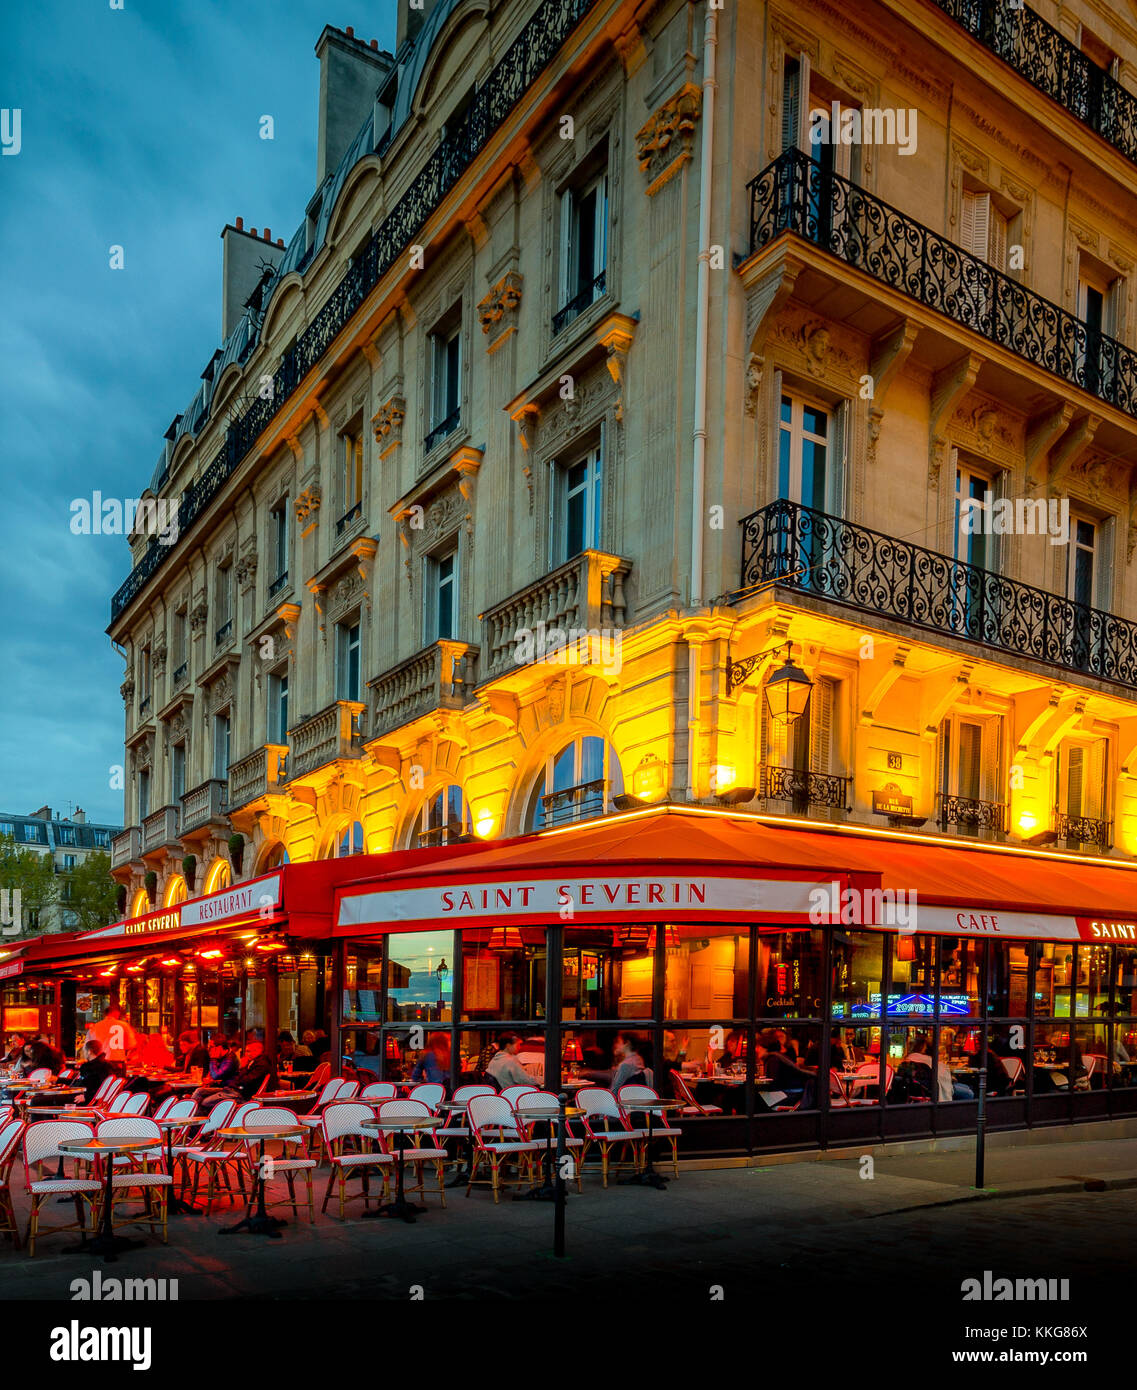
point(868, 1069)
point(595, 1100)
point(511, 1093)
point(42, 1139)
point(345, 1117)
point(108, 1090)
point(682, 1091)
point(218, 1118)
point(328, 1092)
point(165, 1107)
point(628, 1095)
point(174, 1109)
point(347, 1090)
point(463, 1093)
point(409, 1109)
point(272, 1115)
point(129, 1126)
point(1092, 1060)
point(263, 1087)
point(492, 1113)
point(41, 1074)
point(10, 1131)
point(1013, 1066)
point(241, 1114)
point(430, 1093)
point(132, 1105)
point(379, 1090)
point(531, 1101)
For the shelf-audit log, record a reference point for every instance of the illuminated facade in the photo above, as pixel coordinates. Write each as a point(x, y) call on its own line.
point(489, 393)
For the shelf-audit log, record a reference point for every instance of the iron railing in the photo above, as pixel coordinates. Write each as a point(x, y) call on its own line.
point(1077, 831)
point(971, 815)
point(278, 583)
point(442, 430)
point(582, 802)
point(495, 100)
point(576, 306)
point(1049, 61)
point(804, 789)
point(795, 194)
point(835, 560)
point(349, 518)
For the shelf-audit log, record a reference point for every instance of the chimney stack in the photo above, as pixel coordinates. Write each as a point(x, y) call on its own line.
point(80, 816)
point(351, 72)
point(243, 256)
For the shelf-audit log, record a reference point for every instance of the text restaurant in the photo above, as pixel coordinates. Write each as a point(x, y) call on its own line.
point(792, 986)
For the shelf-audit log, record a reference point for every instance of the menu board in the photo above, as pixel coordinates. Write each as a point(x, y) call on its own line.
point(481, 982)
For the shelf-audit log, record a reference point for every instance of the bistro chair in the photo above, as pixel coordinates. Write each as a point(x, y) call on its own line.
point(41, 1074)
point(341, 1123)
point(10, 1131)
point(379, 1090)
point(107, 1092)
point(430, 1093)
point(1015, 1069)
point(498, 1136)
point(348, 1090)
point(135, 1165)
point(691, 1106)
point(606, 1125)
point(837, 1097)
point(512, 1094)
point(314, 1081)
point(550, 1106)
point(660, 1129)
point(866, 1077)
point(222, 1160)
point(41, 1147)
point(132, 1104)
point(287, 1163)
point(420, 1154)
point(329, 1093)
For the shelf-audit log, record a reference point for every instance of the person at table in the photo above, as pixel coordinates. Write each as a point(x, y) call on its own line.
point(53, 1055)
point(319, 1044)
point(16, 1044)
point(118, 1038)
point(786, 1046)
point(631, 1069)
point(782, 1075)
point(484, 1058)
point(837, 1054)
point(504, 1069)
point(434, 1064)
point(93, 1070)
point(39, 1055)
point(245, 1082)
point(192, 1052)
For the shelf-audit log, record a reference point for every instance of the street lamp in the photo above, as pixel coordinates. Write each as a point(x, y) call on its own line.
point(787, 691)
point(440, 970)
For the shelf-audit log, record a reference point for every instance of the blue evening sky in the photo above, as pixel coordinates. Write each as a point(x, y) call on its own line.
point(140, 128)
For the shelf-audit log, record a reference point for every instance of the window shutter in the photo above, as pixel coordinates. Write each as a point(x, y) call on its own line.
point(1094, 780)
point(1074, 759)
point(568, 245)
point(998, 241)
point(802, 137)
point(1103, 565)
point(975, 217)
point(970, 751)
point(791, 86)
point(837, 460)
point(945, 757)
point(556, 479)
point(820, 724)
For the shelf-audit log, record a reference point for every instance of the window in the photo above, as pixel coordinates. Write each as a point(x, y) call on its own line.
point(7, 828)
point(143, 794)
point(278, 539)
point(584, 247)
point(444, 817)
point(1080, 561)
point(795, 100)
point(798, 760)
point(102, 838)
point(349, 841)
point(445, 378)
point(578, 784)
point(811, 454)
point(984, 229)
point(441, 590)
point(179, 639)
point(66, 834)
point(579, 506)
point(221, 746)
point(970, 780)
point(1083, 815)
point(278, 707)
point(351, 476)
point(144, 676)
point(1099, 294)
point(223, 606)
point(1087, 586)
point(347, 660)
point(177, 772)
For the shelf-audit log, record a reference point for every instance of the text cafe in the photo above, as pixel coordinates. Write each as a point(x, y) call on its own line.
point(251, 957)
point(792, 987)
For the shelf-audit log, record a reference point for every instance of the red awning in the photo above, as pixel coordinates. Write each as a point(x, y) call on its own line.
point(689, 864)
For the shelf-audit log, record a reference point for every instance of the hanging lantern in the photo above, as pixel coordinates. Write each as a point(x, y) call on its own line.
point(787, 692)
point(671, 938)
point(633, 934)
point(391, 1048)
point(506, 939)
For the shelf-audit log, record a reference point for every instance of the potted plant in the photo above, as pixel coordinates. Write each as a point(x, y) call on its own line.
point(189, 871)
point(151, 881)
point(236, 850)
point(120, 900)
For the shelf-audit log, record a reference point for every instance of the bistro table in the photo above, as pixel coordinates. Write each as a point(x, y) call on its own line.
point(259, 1223)
point(547, 1192)
point(106, 1243)
point(410, 1124)
point(176, 1206)
point(649, 1177)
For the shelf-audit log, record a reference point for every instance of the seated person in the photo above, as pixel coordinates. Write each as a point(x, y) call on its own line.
point(434, 1064)
point(244, 1083)
point(16, 1045)
point(782, 1074)
point(192, 1052)
point(837, 1054)
point(48, 1049)
point(93, 1070)
point(505, 1069)
point(37, 1055)
point(631, 1069)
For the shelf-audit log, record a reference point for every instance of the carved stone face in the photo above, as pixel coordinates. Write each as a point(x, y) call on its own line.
point(817, 345)
point(986, 424)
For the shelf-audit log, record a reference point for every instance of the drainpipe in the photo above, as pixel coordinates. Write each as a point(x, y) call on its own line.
point(699, 454)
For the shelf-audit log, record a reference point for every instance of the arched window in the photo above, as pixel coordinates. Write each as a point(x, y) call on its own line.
point(347, 840)
point(175, 891)
point(444, 817)
point(218, 876)
point(140, 903)
point(579, 783)
point(274, 856)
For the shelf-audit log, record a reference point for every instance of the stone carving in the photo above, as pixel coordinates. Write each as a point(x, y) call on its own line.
point(126, 690)
point(222, 692)
point(821, 351)
point(497, 312)
point(197, 616)
point(158, 654)
point(754, 366)
point(307, 503)
point(387, 424)
point(349, 588)
point(247, 570)
point(664, 142)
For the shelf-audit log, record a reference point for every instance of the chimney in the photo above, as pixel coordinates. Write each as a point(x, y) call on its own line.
point(80, 816)
point(44, 813)
point(351, 72)
point(244, 255)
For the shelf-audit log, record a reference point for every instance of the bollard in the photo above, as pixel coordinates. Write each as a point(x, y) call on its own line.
point(559, 1185)
point(980, 1127)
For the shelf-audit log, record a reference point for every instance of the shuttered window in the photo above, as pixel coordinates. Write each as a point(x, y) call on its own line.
point(1082, 784)
point(785, 746)
point(983, 229)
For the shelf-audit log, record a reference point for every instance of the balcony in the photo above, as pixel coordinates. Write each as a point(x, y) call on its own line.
point(440, 676)
point(223, 633)
point(1083, 832)
point(804, 789)
point(181, 675)
point(970, 816)
point(126, 847)
point(278, 583)
point(579, 302)
point(794, 194)
point(442, 430)
point(349, 518)
point(836, 561)
point(585, 801)
point(565, 616)
point(1050, 62)
point(260, 774)
point(331, 734)
point(204, 806)
point(160, 831)
point(504, 88)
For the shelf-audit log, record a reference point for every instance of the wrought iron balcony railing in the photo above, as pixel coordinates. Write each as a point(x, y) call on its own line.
point(835, 560)
point(1050, 62)
point(795, 194)
point(452, 833)
point(582, 802)
point(804, 789)
point(442, 430)
point(1078, 832)
point(223, 633)
point(498, 96)
point(278, 583)
point(579, 302)
point(349, 518)
point(971, 816)
point(181, 674)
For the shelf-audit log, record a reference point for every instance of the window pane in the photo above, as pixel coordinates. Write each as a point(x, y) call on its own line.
point(416, 991)
point(858, 959)
point(1008, 977)
point(1092, 990)
point(1050, 1058)
point(1092, 1062)
point(960, 959)
point(913, 977)
point(605, 976)
point(1125, 980)
point(707, 972)
point(790, 966)
point(781, 1082)
point(503, 977)
point(1052, 980)
point(960, 1050)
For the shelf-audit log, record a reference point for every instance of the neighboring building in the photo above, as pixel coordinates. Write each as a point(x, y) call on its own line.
point(67, 841)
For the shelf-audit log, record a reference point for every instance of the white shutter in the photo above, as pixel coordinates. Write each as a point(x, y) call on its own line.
point(1094, 781)
point(820, 724)
point(1074, 758)
point(997, 251)
point(568, 246)
point(1103, 565)
point(836, 472)
point(975, 219)
point(556, 511)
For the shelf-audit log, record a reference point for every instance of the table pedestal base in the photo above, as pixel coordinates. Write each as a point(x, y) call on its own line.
point(109, 1246)
point(407, 1210)
point(257, 1225)
point(648, 1178)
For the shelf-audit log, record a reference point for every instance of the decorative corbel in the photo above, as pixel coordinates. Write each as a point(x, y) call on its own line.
point(1041, 432)
point(1070, 449)
point(888, 356)
point(766, 295)
point(949, 386)
point(616, 337)
point(526, 417)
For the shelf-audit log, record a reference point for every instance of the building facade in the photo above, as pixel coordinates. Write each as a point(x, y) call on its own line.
point(66, 841)
point(624, 352)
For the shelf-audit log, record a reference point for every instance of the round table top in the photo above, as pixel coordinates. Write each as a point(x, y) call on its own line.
point(402, 1122)
point(109, 1144)
point(263, 1132)
point(546, 1114)
point(657, 1104)
point(176, 1122)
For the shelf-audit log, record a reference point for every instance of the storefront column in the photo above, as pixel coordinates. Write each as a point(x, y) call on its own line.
point(457, 1008)
point(554, 980)
point(272, 1006)
point(823, 1065)
point(335, 1026)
